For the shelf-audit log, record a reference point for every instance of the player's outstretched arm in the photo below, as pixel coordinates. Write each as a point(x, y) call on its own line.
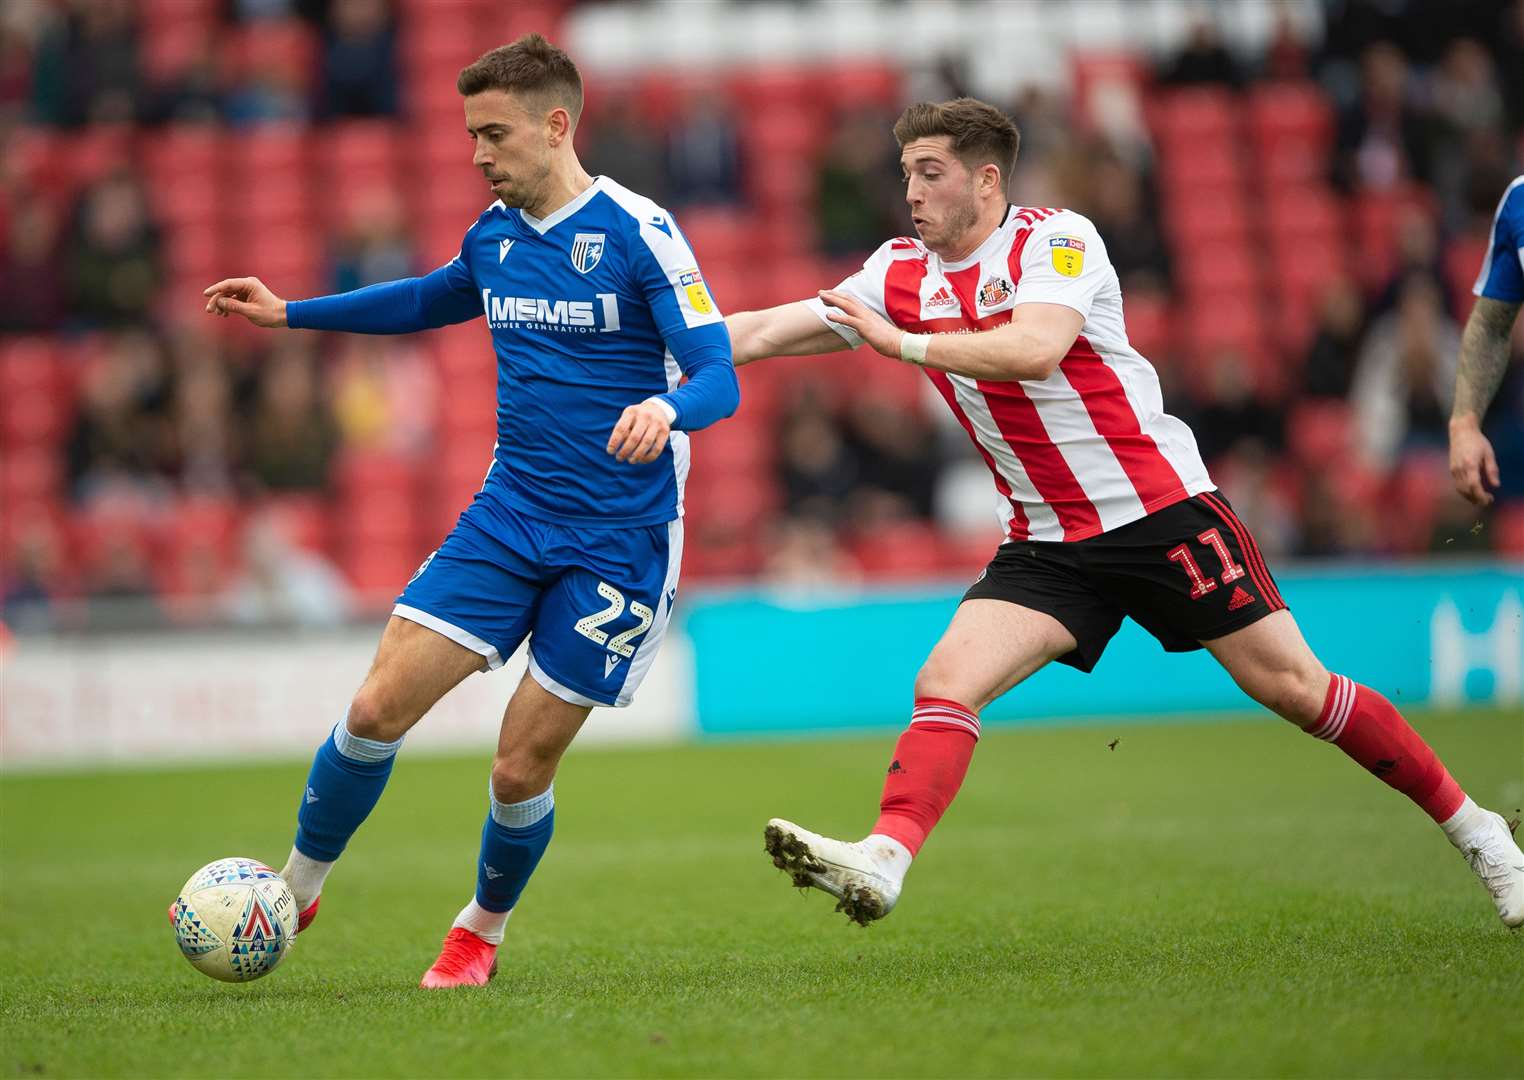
point(445, 296)
point(786, 330)
point(249, 297)
point(1029, 347)
point(1483, 359)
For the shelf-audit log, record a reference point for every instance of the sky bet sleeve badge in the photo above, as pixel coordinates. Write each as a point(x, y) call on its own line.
point(1068, 255)
point(698, 296)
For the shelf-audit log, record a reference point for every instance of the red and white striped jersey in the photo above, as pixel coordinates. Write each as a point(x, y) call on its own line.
point(1084, 451)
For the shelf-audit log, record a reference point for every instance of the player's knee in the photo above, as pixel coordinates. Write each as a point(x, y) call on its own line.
point(520, 776)
point(372, 716)
point(1294, 693)
point(939, 678)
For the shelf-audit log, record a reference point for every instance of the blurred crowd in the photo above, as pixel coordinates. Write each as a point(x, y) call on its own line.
point(192, 469)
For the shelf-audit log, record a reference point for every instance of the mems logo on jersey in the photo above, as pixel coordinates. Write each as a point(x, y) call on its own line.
point(560, 316)
point(693, 284)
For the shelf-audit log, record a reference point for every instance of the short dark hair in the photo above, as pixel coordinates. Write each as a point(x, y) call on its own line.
point(981, 134)
point(531, 67)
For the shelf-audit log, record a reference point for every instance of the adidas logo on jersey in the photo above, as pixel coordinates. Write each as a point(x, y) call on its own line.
point(1240, 599)
point(566, 316)
point(942, 299)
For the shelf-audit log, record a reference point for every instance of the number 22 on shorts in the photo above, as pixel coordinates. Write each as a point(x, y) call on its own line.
point(619, 644)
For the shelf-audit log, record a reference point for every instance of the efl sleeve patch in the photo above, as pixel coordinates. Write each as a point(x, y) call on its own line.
point(1068, 255)
point(693, 284)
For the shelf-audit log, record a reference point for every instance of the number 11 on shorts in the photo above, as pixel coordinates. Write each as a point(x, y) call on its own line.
point(1200, 583)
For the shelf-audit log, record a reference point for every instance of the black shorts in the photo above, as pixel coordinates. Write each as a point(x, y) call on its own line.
point(1187, 573)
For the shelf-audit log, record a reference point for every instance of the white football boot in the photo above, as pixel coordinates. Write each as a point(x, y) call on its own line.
point(864, 876)
point(1491, 851)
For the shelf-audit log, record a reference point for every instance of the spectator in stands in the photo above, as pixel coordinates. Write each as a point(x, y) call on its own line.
point(816, 469)
point(1380, 141)
point(273, 90)
point(31, 272)
point(291, 435)
point(804, 553)
point(1113, 196)
point(1231, 413)
point(282, 583)
point(193, 94)
point(1204, 60)
point(206, 441)
point(1418, 255)
point(119, 581)
point(1285, 57)
point(861, 200)
point(620, 145)
point(704, 152)
point(359, 60)
point(1329, 366)
point(374, 244)
point(121, 437)
point(15, 72)
point(85, 69)
point(34, 578)
point(113, 254)
point(1466, 107)
point(897, 462)
point(1507, 43)
point(1406, 375)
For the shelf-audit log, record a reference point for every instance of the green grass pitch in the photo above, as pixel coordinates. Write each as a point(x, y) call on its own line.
point(1204, 900)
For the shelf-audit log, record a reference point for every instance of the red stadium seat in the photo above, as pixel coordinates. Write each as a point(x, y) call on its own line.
point(1149, 321)
point(1289, 119)
point(1508, 529)
point(862, 85)
point(1321, 432)
point(1195, 174)
point(907, 550)
point(1308, 212)
point(1203, 114)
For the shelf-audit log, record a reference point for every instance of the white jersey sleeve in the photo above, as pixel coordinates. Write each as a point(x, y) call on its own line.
point(1064, 262)
point(866, 286)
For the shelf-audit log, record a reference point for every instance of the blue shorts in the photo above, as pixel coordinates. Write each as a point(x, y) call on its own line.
point(594, 603)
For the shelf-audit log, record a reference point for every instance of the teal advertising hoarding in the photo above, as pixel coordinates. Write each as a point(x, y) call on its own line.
point(777, 662)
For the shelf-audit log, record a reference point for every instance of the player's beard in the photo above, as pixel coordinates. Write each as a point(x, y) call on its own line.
point(962, 216)
point(531, 189)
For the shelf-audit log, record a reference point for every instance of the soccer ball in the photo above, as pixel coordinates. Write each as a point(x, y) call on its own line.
point(235, 920)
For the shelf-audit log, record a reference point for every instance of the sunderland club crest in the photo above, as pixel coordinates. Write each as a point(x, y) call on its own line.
point(587, 250)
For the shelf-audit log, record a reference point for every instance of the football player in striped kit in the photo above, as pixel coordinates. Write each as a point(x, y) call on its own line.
point(1015, 313)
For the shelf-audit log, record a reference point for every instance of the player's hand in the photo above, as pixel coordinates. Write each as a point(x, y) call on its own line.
point(1473, 465)
point(641, 434)
point(246, 296)
point(867, 324)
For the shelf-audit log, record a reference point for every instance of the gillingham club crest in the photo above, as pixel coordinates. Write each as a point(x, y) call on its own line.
point(586, 251)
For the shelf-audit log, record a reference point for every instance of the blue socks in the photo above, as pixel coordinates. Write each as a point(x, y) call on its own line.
point(347, 778)
point(513, 839)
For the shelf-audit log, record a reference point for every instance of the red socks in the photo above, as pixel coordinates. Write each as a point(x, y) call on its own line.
point(1368, 728)
point(929, 763)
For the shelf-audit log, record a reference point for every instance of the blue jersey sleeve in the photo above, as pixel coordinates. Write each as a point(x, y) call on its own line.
point(711, 392)
point(444, 296)
point(1502, 276)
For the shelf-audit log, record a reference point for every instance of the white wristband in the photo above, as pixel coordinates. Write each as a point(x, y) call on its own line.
point(913, 348)
point(666, 407)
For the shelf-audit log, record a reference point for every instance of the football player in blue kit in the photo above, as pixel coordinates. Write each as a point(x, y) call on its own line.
point(597, 311)
point(1485, 347)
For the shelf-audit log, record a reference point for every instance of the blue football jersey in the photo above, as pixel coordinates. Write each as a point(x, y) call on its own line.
point(1502, 276)
point(580, 305)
